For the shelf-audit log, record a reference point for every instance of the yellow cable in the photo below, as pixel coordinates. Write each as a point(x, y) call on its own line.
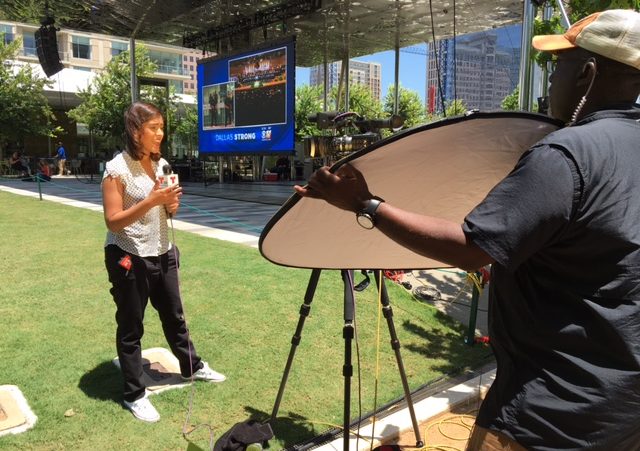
point(456, 420)
point(473, 277)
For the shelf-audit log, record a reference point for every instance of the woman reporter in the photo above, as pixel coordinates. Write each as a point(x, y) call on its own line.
point(141, 262)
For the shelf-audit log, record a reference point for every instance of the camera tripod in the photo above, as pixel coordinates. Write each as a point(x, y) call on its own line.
point(348, 333)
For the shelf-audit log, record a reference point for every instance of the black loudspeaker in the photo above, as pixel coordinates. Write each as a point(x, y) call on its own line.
point(47, 46)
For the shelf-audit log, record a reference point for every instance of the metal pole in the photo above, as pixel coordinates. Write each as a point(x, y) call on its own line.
point(39, 185)
point(345, 64)
point(325, 84)
point(324, 68)
point(529, 14)
point(134, 75)
point(396, 75)
point(563, 13)
point(470, 339)
point(345, 72)
point(544, 80)
point(396, 80)
point(168, 122)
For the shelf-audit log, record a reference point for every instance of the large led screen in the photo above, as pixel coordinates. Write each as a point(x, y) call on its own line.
point(246, 101)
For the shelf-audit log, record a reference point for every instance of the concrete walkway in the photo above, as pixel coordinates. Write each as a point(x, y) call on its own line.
point(238, 212)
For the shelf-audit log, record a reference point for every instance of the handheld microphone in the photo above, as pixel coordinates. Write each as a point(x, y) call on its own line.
point(168, 178)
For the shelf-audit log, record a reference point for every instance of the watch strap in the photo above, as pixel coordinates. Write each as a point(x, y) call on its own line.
point(372, 206)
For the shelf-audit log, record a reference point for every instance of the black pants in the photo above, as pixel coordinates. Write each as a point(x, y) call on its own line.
point(155, 279)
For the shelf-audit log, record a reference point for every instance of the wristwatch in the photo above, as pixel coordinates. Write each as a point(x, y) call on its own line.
point(367, 217)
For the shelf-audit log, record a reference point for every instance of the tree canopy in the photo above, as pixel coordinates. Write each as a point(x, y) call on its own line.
point(187, 127)
point(108, 96)
point(25, 110)
point(308, 102)
point(410, 107)
point(361, 101)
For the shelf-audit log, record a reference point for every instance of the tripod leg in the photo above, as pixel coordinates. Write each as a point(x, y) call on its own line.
point(348, 333)
point(395, 345)
point(295, 340)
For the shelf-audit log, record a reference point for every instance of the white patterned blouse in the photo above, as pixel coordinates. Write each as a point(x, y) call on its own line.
point(149, 235)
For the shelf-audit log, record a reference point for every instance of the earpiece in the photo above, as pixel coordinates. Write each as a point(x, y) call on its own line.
point(590, 64)
point(593, 67)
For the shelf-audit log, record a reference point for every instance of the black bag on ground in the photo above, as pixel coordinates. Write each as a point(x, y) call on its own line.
point(243, 434)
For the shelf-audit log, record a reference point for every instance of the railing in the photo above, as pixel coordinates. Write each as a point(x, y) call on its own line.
point(175, 70)
point(87, 170)
point(28, 51)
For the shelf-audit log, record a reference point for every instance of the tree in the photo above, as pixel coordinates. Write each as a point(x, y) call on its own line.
point(455, 107)
point(410, 107)
point(511, 101)
point(105, 100)
point(187, 127)
point(25, 110)
point(31, 11)
point(576, 10)
point(308, 102)
point(451, 108)
point(361, 101)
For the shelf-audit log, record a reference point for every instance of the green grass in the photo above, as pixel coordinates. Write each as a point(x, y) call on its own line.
point(57, 338)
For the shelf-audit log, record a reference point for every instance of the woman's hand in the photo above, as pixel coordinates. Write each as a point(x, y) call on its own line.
point(172, 209)
point(168, 196)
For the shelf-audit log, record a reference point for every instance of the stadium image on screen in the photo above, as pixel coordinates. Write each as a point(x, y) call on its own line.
point(261, 80)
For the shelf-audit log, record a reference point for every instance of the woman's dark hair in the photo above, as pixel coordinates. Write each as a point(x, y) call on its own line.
point(135, 116)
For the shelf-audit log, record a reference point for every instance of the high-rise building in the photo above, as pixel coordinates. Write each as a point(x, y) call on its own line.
point(190, 59)
point(473, 68)
point(360, 72)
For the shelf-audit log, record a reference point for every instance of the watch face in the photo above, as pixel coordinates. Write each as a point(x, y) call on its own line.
point(365, 220)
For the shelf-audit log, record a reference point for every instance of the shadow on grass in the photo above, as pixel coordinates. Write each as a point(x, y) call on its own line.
point(104, 382)
point(447, 346)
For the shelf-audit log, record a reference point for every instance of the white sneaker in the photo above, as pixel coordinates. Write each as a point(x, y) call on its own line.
point(143, 410)
point(207, 374)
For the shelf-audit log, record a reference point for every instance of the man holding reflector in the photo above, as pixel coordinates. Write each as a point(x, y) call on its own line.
point(561, 234)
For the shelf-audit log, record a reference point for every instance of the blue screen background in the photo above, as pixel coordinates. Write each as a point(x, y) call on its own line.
point(262, 138)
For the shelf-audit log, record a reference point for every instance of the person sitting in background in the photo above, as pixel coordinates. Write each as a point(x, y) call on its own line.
point(44, 171)
point(17, 164)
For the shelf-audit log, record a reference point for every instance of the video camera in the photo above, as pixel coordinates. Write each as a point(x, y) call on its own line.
point(363, 132)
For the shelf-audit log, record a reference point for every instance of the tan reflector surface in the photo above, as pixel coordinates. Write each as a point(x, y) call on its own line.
point(442, 169)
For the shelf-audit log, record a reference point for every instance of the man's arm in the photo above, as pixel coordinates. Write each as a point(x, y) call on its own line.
point(432, 237)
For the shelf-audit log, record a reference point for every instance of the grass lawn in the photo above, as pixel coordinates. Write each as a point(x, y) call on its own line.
point(57, 339)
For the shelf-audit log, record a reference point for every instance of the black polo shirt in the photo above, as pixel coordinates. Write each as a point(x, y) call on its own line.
point(564, 315)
